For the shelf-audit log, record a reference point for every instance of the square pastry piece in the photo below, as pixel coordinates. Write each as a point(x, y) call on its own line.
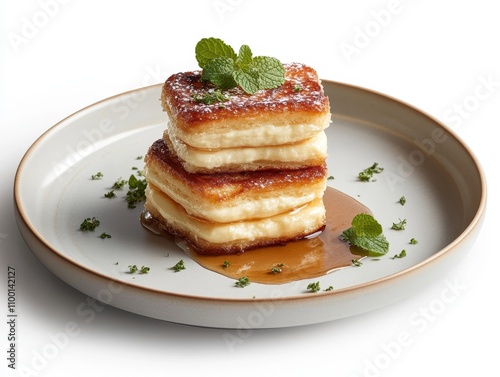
point(278, 128)
point(243, 173)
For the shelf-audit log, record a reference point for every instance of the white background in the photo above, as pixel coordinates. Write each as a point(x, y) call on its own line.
point(59, 56)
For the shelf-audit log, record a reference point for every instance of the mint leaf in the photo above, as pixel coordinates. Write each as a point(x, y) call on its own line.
point(271, 71)
point(375, 246)
point(366, 233)
point(366, 226)
point(248, 81)
point(219, 72)
point(210, 48)
point(223, 68)
point(244, 58)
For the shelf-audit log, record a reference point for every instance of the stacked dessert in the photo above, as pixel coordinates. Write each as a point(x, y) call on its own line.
point(244, 171)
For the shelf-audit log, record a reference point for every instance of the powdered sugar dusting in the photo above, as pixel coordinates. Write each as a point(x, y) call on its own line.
point(301, 91)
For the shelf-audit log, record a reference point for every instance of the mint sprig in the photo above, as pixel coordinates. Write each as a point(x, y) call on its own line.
point(225, 69)
point(366, 233)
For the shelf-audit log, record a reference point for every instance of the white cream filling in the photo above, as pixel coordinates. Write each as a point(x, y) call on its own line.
point(252, 135)
point(311, 149)
point(305, 219)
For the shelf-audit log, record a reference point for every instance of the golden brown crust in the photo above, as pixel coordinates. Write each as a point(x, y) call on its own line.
point(226, 186)
point(301, 95)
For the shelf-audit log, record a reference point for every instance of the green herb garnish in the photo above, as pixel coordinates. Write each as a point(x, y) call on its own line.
point(226, 69)
point(132, 269)
point(226, 264)
point(413, 241)
point(277, 268)
point(110, 194)
point(367, 174)
point(136, 192)
point(314, 287)
point(119, 184)
point(402, 254)
point(399, 226)
point(96, 176)
point(179, 266)
point(104, 235)
point(366, 233)
point(402, 200)
point(211, 97)
point(242, 282)
point(356, 263)
point(330, 288)
point(89, 224)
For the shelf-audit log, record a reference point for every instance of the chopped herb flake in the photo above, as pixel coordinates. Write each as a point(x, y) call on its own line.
point(314, 287)
point(401, 225)
point(89, 224)
point(277, 268)
point(367, 174)
point(132, 269)
point(211, 98)
point(402, 254)
point(356, 263)
point(242, 282)
point(136, 192)
point(110, 194)
point(119, 184)
point(179, 266)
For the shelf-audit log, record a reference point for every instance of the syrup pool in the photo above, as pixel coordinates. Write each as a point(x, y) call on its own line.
point(311, 257)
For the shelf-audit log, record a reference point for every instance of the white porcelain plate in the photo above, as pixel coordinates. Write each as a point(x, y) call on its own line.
point(423, 161)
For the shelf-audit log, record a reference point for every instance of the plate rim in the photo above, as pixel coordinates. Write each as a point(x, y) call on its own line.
point(21, 216)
